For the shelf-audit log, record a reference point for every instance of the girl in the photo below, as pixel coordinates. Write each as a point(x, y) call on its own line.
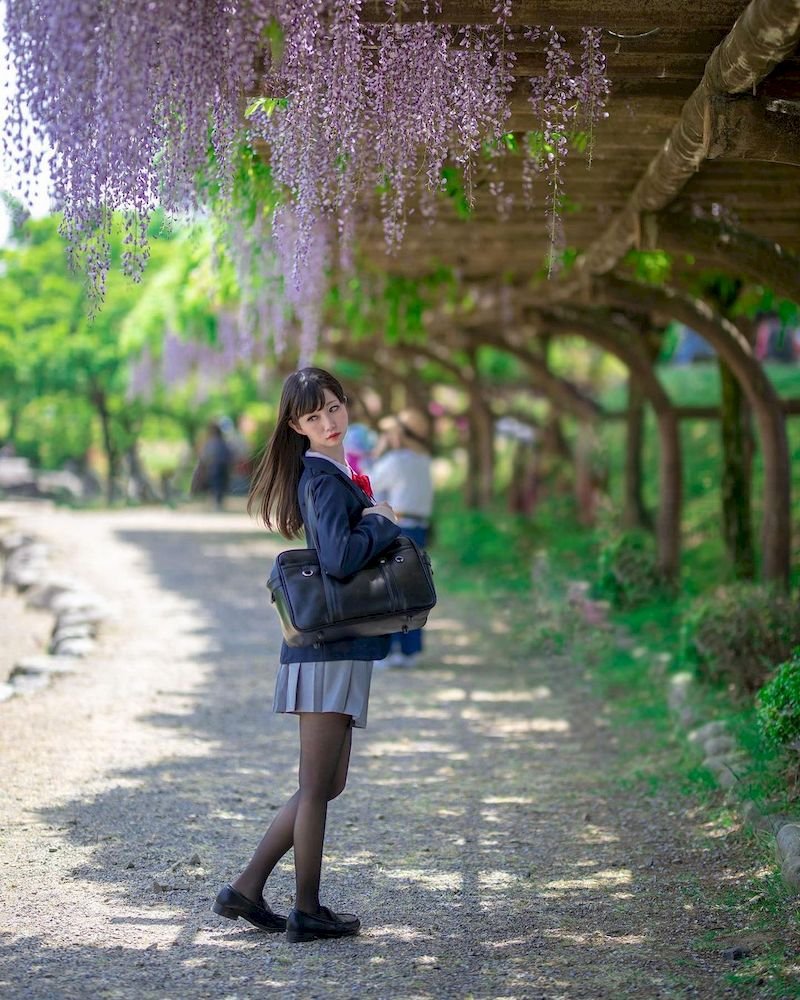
point(326, 686)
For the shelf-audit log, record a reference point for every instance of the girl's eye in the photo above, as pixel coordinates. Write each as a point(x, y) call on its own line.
point(333, 408)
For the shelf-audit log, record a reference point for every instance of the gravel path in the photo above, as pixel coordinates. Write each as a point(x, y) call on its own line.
point(482, 839)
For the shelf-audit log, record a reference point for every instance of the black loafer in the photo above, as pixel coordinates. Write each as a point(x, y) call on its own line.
point(232, 904)
point(302, 926)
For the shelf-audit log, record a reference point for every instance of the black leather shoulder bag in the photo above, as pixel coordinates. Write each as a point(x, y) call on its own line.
point(394, 593)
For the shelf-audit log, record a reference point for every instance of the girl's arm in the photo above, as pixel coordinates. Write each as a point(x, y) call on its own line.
point(344, 550)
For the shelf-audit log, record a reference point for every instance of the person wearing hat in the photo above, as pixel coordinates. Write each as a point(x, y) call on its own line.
point(401, 476)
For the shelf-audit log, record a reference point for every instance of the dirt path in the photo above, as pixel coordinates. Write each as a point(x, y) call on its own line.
point(482, 838)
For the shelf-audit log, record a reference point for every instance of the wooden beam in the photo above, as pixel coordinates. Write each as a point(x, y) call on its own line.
point(634, 19)
point(736, 250)
point(745, 128)
point(762, 37)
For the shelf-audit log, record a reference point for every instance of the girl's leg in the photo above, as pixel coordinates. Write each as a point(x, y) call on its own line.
point(279, 838)
point(323, 738)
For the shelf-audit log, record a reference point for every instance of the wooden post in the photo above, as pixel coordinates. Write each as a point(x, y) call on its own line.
point(634, 512)
point(737, 520)
point(733, 348)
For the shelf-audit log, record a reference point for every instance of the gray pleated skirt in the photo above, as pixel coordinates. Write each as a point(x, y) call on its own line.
point(325, 686)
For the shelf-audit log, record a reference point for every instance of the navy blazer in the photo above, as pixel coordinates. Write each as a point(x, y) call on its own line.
point(346, 543)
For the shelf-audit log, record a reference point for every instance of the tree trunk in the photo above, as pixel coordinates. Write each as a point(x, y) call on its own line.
point(554, 441)
point(480, 451)
point(634, 512)
point(145, 491)
point(737, 519)
point(585, 476)
point(601, 329)
point(112, 454)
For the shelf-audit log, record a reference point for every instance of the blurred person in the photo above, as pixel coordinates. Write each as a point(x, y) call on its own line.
point(359, 445)
point(215, 462)
point(401, 476)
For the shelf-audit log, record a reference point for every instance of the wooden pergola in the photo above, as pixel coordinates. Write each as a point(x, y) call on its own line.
point(699, 156)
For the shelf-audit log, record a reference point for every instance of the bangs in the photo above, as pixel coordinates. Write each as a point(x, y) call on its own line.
point(308, 394)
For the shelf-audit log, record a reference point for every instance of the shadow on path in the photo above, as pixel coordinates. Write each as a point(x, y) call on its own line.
point(480, 840)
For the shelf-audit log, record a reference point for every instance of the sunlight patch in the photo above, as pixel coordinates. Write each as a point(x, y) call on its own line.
point(507, 800)
point(518, 727)
point(497, 880)
point(537, 694)
point(390, 748)
point(431, 879)
point(462, 659)
point(449, 694)
point(599, 880)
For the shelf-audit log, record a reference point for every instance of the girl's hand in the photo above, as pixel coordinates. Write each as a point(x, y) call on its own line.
point(384, 509)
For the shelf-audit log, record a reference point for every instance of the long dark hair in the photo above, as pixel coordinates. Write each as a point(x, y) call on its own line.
point(273, 490)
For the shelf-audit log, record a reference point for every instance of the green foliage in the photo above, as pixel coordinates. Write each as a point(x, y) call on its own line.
point(738, 633)
point(53, 429)
point(778, 704)
point(453, 188)
point(651, 266)
point(628, 575)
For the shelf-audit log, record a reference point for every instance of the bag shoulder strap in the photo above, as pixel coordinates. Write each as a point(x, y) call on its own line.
point(310, 522)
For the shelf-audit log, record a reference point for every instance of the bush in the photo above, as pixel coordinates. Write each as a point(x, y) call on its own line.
point(778, 704)
point(628, 570)
point(739, 633)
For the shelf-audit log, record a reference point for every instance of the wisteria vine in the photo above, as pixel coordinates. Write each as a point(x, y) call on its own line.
point(140, 101)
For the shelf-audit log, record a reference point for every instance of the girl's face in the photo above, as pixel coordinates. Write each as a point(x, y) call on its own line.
point(325, 427)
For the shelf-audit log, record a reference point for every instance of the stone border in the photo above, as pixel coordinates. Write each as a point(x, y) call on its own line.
point(78, 611)
point(725, 759)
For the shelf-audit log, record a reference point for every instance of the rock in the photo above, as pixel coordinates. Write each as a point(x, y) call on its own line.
point(78, 600)
point(61, 482)
point(15, 471)
point(13, 540)
point(787, 840)
point(29, 683)
point(755, 817)
point(70, 632)
point(157, 886)
point(130, 864)
point(717, 745)
point(708, 731)
point(89, 606)
point(42, 595)
point(726, 779)
point(69, 618)
point(26, 566)
point(680, 686)
point(736, 953)
point(726, 769)
point(44, 665)
point(194, 859)
point(790, 870)
point(74, 647)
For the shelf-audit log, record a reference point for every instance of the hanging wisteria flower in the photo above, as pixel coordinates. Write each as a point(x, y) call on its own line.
point(143, 105)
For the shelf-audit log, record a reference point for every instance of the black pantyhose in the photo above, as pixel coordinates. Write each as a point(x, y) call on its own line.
point(325, 739)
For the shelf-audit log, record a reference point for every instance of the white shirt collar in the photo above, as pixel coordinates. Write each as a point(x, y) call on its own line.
point(344, 468)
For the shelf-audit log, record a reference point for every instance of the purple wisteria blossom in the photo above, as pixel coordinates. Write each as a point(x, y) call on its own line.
point(143, 105)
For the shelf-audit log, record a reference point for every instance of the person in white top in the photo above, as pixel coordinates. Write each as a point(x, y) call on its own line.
point(401, 476)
